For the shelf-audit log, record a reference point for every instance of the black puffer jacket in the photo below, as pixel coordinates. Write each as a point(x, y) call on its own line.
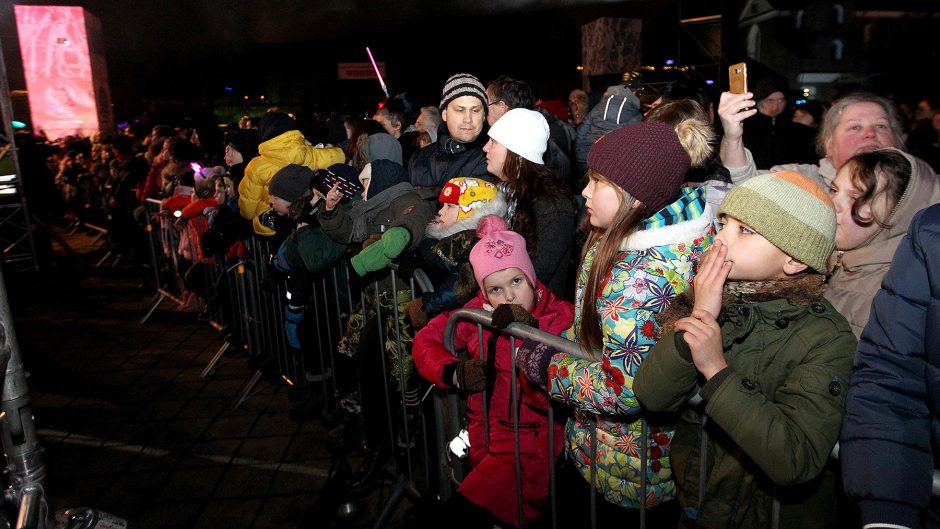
point(447, 158)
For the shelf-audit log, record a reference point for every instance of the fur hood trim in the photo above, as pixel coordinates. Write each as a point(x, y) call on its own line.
point(673, 234)
point(802, 291)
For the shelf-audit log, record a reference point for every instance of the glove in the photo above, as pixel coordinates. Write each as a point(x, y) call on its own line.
point(292, 318)
point(469, 375)
point(279, 259)
point(415, 311)
point(512, 313)
point(268, 219)
point(532, 359)
point(380, 253)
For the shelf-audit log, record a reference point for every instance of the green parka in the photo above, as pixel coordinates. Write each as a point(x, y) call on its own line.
point(770, 419)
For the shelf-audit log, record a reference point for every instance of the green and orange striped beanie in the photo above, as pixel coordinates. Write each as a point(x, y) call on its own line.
point(791, 211)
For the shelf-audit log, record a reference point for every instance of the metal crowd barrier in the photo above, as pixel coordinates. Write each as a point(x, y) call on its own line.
point(164, 240)
point(245, 303)
point(449, 415)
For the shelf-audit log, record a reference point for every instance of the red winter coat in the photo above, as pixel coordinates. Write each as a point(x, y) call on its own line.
point(491, 483)
point(197, 217)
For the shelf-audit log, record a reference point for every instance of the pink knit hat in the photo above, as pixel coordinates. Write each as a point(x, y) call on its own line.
point(499, 249)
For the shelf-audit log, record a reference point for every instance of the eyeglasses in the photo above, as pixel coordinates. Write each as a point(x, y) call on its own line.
point(494, 102)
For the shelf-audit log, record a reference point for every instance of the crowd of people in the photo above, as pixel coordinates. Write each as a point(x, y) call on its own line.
point(748, 280)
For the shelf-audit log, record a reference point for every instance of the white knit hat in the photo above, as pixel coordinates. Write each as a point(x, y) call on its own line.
point(524, 132)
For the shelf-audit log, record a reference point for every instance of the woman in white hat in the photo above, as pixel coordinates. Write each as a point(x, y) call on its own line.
point(540, 208)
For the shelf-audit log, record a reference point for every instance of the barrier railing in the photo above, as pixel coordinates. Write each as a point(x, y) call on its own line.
point(245, 302)
point(163, 240)
point(451, 419)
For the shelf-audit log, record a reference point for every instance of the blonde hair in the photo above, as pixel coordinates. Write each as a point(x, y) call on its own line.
point(691, 124)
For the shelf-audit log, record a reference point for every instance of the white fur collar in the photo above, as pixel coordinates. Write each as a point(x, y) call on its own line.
point(673, 234)
point(495, 206)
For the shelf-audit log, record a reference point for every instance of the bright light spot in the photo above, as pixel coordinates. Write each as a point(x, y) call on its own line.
point(18, 124)
point(709, 81)
point(670, 62)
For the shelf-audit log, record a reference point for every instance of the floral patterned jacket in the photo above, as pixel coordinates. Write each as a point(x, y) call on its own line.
point(656, 264)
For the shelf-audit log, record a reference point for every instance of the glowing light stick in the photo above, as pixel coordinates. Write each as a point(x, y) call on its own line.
point(376, 68)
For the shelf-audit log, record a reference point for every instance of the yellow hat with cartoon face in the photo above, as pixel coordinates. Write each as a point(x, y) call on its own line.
point(467, 193)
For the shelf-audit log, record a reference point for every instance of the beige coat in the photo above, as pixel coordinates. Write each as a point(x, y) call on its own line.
point(857, 273)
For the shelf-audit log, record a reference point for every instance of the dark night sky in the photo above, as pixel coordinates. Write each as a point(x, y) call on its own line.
point(189, 50)
point(183, 53)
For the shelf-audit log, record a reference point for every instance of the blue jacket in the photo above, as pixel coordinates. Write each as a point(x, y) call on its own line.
point(891, 428)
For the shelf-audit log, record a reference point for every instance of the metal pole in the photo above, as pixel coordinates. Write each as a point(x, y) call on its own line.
point(20, 444)
point(6, 108)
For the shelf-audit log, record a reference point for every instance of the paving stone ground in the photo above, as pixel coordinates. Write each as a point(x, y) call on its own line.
point(128, 426)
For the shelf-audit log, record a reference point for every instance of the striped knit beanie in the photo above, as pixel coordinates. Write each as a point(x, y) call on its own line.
point(463, 84)
point(789, 210)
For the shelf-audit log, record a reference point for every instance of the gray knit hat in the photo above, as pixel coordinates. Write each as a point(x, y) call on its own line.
point(789, 210)
point(291, 182)
point(463, 84)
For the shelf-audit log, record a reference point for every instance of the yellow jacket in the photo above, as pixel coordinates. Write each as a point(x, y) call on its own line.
point(275, 154)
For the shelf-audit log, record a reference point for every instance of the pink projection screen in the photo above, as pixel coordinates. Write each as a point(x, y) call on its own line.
point(54, 46)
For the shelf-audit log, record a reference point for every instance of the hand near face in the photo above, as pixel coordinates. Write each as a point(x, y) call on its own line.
point(709, 282)
point(703, 334)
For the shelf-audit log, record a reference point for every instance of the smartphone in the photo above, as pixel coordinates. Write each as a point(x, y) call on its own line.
point(737, 78)
point(325, 180)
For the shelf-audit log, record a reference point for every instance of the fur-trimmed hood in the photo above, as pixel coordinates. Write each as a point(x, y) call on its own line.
point(803, 291)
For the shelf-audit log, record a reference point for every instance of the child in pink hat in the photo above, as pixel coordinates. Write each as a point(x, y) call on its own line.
point(509, 288)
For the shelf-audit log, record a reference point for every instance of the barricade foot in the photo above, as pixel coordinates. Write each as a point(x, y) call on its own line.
point(250, 388)
point(403, 486)
point(103, 259)
point(213, 364)
point(158, 299)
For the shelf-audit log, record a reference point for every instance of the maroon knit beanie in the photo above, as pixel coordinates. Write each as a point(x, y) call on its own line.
point(645, 159)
